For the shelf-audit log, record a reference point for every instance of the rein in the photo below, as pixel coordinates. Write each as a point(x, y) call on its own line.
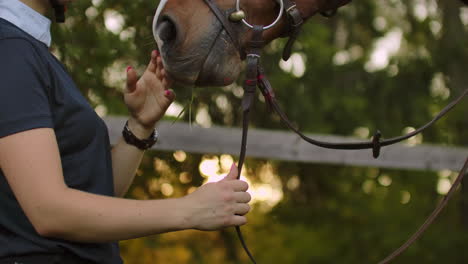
point(256, 78)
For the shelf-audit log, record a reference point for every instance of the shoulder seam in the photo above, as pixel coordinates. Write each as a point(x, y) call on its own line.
point(41, 60)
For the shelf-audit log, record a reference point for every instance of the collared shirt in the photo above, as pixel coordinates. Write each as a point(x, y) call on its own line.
point(26, 18)
point(36, 91)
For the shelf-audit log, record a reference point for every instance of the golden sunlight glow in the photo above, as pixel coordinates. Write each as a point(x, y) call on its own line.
point(209, 167)
point(444, 173)
point(114, 21)
point(384, 48)
point(464, 15)
point(413, 140)
point(191, 190)
point(266, 193)
point(443, 186)
point(226, 162)
point(101, 110)
point(160, 165)
point(167, 189)
point(362, 132)
point(175, 110)
point(185, 177)
point(203, 117)
point(439, 87)
point(293, 183)
point(385, 180)
point(153, 186)
point(180, 156)
point(139, 172)
point(91, 13)
point(405, 197)
point(368, 186)
point(296, 65)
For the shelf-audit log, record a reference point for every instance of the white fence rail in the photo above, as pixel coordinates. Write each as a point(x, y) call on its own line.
point(287, 146)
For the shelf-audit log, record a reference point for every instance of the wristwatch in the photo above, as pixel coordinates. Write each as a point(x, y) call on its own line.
point(142, 144)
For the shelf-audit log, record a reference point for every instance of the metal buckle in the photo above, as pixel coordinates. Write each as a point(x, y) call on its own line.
point(266, 27)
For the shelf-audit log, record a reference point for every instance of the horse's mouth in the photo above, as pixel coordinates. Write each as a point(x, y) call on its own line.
point(211, 61)
point(221, 65)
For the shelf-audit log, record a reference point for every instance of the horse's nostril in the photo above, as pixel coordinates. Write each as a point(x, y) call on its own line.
point(167, 30)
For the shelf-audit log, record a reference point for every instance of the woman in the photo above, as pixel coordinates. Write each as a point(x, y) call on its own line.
point(59, 177)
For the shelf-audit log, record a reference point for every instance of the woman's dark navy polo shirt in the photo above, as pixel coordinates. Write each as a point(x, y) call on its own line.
point(37, 92)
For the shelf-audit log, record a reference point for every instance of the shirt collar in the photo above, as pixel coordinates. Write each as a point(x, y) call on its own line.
point(26, 18)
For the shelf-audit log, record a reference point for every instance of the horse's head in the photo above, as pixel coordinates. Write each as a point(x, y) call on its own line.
point(195, 47)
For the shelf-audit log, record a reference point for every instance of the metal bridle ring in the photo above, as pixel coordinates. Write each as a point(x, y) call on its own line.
point(266, 27)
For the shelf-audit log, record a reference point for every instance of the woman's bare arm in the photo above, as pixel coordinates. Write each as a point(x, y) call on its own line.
point(31, 162)
point(126, 159)
point(147, 99)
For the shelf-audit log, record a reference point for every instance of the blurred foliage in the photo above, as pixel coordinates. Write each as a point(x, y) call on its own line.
point(333, 214)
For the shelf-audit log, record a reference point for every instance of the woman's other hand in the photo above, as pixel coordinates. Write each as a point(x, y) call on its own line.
point(149, 97)
point(220, 204)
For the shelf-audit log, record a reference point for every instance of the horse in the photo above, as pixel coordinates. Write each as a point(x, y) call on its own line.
point(197, 50)
point(206, 47)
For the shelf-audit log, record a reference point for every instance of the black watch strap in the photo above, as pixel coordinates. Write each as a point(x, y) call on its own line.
point(142, 144)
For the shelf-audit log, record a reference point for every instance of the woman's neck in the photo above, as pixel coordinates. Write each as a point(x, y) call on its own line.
point(41, 6)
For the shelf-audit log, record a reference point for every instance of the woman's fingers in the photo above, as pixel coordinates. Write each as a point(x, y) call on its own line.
point(242, 209)
point(238, 185)
point(153, 64)
point(160, 73)
point(132, 79)
point(170, 94)
point(242, 197)
point(167, 81)
point(238, 220)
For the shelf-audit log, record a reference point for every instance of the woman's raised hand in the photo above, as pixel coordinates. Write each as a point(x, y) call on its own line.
point(220, 204)
point(149, 97)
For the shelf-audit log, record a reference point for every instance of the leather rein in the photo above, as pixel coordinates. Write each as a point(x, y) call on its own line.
point(256, 78)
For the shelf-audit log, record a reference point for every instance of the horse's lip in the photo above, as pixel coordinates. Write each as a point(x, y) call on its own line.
point(199, 81)
point(216, 57)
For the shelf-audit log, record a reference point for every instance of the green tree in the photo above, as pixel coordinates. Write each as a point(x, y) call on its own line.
point(336, 85)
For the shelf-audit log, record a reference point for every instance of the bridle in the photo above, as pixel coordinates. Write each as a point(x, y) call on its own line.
point(231, 18)
point(256, 78)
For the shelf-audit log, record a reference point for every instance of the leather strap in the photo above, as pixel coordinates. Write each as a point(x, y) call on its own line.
point(376, 144)
point(255, 77)
point(431, 217)
point(267, 91)
point(250, 87)
point(227, 25)
point(295, 23)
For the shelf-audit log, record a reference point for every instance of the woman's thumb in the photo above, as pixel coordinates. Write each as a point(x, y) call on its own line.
point(232, 175)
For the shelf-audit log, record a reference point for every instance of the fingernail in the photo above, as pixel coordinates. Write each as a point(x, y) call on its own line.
point(167, 92)
point(156, 52)
point(129, 68)
point(233, 166)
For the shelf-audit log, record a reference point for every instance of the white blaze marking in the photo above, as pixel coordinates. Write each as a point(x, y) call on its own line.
point(161, 6)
